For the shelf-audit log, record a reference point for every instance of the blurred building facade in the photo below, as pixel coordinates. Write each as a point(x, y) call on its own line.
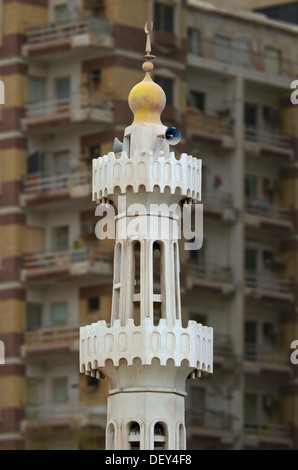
point(227, 76)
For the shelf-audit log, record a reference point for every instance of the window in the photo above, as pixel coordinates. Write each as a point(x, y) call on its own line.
point(62, 88)
point(250, 339)
point(240, 52)
point(272, 60)
point(196, 99)
point(33, 397)
point(267, 256)
point(270, 115)
point(61, 163)
point(250, 115)
point(269, 331)
point(35, 163)
point(36, 90)
point(93, 304)
point(163, 18)
point(59, 314)
point(59, 390)
point(167, 84)
point(62, 13)
point(34, 316)
point(250, 332)
point(94, 76)
point(250, 259)
point(60, 238)
point(251, 186)
point(250, 406)
point(223, 48)
point(193, 41)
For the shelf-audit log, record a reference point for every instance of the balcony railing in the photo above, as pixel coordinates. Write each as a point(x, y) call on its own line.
point(210, 125)
point(66, 29)
point(270, 138)
point(242, 55)
point(37, 184)
point(258, 352)
point(71, 410)
point(52, 333)
point(223, 344)
point(218, 198)
point(74, 104)
point(209, 419)
point(256, 281)
point(263, 208)
point(45, 260)
point(257, 427)
point(211, 272)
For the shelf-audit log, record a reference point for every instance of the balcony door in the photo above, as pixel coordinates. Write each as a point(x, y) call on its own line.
point(60, 238)
point(59, 314)
point(61, 169)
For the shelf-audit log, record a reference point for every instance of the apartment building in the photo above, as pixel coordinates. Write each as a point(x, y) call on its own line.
point(68, 68)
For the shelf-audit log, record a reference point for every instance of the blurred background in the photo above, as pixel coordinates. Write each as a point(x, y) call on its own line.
point(226, 67)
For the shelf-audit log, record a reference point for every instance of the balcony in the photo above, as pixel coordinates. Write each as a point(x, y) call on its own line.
point(224, 355)
point(211, 130)
point(209, 424)
point(268, 143)
point(50, 340)
point(261, 358)
point(73, 36)
point(261, 213)
point(260, 433)
point(210, 276)
point(39, 268)
point(41, 190)
point(67, 414)
point(218, 205)
point(272, 288)
point(229, 57)
point(60, 114)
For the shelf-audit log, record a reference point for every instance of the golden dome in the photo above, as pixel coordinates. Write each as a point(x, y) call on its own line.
point(147, 99)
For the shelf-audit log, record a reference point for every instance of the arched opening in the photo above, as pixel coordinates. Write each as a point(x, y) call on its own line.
point(181, 437)
point(136, 279)
point(160, 436)
point(158, 262)
point(110, 444)
point(134, 436)
point(117, 280)
point(177, 283)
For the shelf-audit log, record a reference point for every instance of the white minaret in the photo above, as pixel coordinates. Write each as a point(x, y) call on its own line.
point(145, 353)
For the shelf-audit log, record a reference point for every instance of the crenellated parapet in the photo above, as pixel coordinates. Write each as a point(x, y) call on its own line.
point(100, 343)
point(179, 175)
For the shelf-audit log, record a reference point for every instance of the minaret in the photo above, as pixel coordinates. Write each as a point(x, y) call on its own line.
point(145, 353)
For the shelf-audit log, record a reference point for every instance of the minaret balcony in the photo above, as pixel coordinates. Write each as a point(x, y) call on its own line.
point(180, 175)
point(100, 343)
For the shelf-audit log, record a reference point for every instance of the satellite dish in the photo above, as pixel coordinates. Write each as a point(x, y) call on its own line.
point(172, 135)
